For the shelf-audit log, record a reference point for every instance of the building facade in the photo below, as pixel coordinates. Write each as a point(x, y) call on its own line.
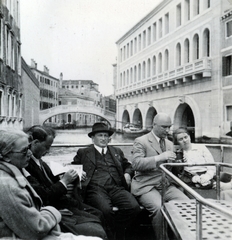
point(31, 97)
point(172, 61)
point(10, 65)
point(226, 56)
point(49, 86)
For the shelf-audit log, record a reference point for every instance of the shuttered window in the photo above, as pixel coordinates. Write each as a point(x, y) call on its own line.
point(227, 66)
point(229, 28)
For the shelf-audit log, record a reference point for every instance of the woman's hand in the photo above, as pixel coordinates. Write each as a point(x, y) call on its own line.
point(205, 179)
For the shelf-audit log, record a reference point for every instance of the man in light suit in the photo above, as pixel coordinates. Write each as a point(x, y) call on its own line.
point(108, 179)
point(149, 151)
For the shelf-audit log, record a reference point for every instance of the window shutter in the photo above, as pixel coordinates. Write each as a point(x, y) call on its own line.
point(223, 66)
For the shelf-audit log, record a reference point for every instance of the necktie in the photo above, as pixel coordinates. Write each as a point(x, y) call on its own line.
point(162, 144)
point(103, 154)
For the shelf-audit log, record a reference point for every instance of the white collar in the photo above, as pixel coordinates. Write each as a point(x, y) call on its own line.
point(36, 160)
point(99, 149)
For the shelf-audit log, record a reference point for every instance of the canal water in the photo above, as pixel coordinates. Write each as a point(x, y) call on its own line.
point(80, 136)
point(77, 136)
point(70, 137)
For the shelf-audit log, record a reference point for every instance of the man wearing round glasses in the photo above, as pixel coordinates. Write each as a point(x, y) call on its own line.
point(149, 151)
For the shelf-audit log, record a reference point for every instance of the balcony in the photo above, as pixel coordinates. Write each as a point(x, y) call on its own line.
point(195, 70)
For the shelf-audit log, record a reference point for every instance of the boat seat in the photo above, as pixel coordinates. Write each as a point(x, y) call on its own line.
point(181, 216)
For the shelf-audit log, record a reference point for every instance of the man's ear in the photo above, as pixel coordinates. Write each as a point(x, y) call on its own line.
point(34, 143)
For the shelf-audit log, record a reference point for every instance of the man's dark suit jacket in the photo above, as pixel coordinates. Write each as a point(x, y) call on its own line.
point(86, 156)
point(51, 194)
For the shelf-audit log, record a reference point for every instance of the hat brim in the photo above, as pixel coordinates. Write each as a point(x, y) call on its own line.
point(108, 131)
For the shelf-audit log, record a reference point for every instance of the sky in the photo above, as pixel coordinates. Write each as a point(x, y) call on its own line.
point(78, 37)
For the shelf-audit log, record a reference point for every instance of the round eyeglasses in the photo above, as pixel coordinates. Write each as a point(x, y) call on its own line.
point(23, 151)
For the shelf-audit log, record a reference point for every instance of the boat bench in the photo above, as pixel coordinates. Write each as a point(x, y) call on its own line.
point(198, 218)
point(181, 217)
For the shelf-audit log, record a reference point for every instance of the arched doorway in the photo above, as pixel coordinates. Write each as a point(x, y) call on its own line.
point(125, 118)
point(149, 118)
point(137, 118)
point(184, 117)
point(69, 118)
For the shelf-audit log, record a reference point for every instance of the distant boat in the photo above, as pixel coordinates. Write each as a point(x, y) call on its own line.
point(130, 130)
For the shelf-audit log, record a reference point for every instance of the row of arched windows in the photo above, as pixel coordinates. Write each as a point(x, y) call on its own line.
point(185, 52)
point(10, 104)
point(184, 12)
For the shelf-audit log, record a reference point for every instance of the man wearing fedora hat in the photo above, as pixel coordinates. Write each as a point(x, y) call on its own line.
point(108, 178)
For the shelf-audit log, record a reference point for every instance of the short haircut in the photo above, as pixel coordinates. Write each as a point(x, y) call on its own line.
point(178, 131)
point(50, 131)
point(37, 133)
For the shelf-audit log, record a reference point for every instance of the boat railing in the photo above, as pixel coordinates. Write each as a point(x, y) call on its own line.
point(200, 201)
point(220, 152)
point(87, 144)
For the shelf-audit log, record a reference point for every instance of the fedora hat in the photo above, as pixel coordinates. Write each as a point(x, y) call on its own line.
point(100, 127)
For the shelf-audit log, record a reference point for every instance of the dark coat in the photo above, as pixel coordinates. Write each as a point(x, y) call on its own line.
point(54, 194)
point(51, 194)
point(86, 157)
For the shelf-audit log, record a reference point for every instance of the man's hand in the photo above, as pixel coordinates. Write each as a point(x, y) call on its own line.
point(69, 176)
point(168, 155)
point(128, 179)
point(83, 176)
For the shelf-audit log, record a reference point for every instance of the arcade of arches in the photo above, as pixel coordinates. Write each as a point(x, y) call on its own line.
point(183, 117)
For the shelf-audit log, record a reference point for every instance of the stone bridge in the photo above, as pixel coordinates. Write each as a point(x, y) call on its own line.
point(107, 115)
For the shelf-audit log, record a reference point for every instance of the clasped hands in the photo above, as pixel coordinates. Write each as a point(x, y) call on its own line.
point(203, 179)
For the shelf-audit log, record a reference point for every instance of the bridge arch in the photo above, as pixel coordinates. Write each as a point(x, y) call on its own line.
point(66, 109)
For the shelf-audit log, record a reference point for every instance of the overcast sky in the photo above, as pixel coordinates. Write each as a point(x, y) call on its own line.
point(77, 37)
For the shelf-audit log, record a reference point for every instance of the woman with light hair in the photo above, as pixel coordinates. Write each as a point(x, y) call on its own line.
point(21, 212)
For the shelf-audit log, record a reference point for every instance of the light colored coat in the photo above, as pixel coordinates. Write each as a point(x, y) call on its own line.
point(21, 213)
point(148, 175)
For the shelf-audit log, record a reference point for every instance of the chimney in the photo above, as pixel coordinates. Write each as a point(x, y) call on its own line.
point(46, 70)
point(33, 63)
point(61, 79)
point(61, 76)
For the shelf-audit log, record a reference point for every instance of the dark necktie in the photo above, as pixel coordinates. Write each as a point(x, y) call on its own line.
point(162, 144)
point(103, 154)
